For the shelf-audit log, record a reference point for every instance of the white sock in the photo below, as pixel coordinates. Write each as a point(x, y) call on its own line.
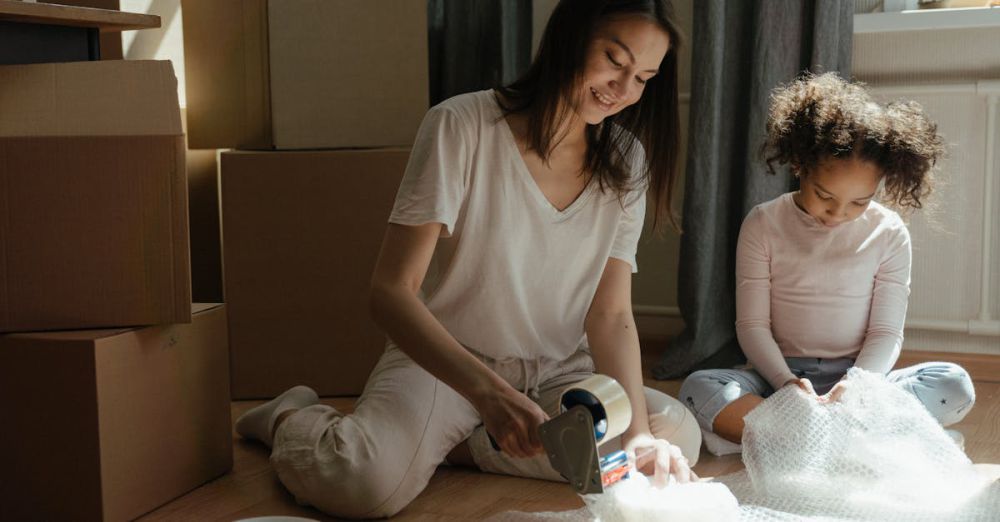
point(258, 423)
point(719, 446)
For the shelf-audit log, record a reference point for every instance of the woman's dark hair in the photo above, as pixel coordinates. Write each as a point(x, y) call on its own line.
point(653, 121)
point(814, 118)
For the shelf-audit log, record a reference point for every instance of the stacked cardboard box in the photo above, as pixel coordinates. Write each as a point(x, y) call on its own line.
point(302, 232)
point(305, 74)
point(94, 208)
point(111, 423)
point(302, 229)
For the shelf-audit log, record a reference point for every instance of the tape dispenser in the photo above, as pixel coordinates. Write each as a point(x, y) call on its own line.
point(593, 411)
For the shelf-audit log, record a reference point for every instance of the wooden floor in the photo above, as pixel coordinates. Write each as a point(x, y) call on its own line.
point(253, 490)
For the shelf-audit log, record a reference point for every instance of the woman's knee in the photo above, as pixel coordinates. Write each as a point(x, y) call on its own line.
point(676, 424)
point(352, 480)
point(945, 389)
point(379, 497)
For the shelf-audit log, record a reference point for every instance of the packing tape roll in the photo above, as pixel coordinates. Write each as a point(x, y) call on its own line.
point(607, 402)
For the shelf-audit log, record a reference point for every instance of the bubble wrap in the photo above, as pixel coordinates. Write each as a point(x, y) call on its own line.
point(875, 455)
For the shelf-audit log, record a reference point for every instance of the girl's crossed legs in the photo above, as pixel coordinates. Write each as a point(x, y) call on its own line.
point(717, 396)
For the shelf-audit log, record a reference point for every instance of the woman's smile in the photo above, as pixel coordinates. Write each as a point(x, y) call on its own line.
point(604, 101)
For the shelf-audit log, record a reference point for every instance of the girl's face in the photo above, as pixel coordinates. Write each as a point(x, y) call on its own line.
point(624, 54)
point(838, 190)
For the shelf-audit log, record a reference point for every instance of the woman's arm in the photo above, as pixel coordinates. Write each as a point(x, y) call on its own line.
point(510, 416)
point(614, 344)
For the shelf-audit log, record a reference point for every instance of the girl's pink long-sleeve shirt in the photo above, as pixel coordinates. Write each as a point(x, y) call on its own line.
point(806, 290)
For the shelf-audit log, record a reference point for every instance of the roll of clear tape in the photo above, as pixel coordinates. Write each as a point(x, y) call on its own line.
point(607, 401)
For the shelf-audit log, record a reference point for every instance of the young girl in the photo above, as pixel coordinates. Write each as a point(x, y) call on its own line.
point(523, 207)
point(823, 274)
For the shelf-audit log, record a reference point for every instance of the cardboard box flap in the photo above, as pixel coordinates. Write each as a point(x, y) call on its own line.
point(108, 98)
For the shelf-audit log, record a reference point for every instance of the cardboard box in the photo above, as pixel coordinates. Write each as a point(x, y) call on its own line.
point(305, 74)
point(206, 229)
point(301, 232)
point(93, 214)
point(205, 224)
point(110, 424)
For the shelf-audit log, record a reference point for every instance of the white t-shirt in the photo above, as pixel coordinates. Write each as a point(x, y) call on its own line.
point(512, 276)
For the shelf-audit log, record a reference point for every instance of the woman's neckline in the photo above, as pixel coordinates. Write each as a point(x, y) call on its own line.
point(522, 167)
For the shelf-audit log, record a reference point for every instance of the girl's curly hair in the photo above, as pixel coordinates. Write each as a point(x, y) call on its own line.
point(816, 117)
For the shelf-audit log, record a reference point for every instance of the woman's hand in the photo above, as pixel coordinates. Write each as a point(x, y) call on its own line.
point(658, 459)
point(512, 419)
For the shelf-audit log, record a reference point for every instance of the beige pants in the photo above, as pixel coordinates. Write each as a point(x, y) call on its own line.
point(374, 462)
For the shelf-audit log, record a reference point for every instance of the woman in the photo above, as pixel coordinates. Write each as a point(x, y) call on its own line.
point(519, 215)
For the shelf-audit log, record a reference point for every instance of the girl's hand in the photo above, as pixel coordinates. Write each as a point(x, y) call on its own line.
point(659, 459)
point(835, 393)
point(804, 384)
point(512, 419)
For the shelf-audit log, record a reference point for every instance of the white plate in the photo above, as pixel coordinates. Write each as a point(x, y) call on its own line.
point(279, 518)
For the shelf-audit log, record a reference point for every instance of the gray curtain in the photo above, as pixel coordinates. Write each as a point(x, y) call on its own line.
point(741, 51)
point(476, 44)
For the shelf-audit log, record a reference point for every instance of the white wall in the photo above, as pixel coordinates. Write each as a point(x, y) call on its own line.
point(541, 9)
point(164, 43)
point(654, 288)
point(940, 69)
